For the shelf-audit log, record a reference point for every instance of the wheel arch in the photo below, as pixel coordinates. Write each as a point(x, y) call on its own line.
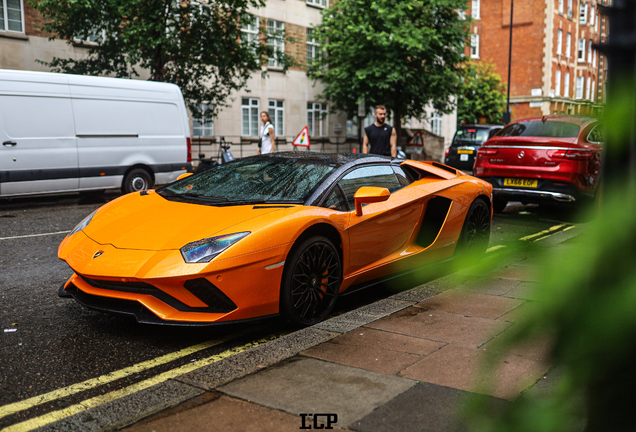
point(325, 230)
point(144, 167)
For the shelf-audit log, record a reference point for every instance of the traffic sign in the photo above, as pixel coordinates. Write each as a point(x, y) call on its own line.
point(302, 139)
point(416, 140)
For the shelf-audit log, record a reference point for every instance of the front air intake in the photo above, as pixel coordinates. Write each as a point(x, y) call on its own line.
point(205, 291)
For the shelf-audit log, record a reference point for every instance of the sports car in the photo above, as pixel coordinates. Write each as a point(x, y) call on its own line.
point(281, 233)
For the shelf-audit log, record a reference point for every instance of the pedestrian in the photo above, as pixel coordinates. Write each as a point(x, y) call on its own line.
point(379, 137)
point(266, 140)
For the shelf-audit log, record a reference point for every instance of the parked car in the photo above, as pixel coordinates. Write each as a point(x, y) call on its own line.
point(67, 133)
point(543, 159)
point(277, 233)
point(466, 142)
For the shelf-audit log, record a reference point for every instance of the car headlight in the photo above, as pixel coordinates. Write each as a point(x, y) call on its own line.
point(205, 250)
point(83, 224)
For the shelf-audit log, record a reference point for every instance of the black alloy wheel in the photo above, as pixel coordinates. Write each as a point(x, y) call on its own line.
point(475, 234)
point(311, 281)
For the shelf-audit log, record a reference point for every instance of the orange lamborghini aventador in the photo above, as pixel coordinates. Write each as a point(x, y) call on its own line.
point(276, 233)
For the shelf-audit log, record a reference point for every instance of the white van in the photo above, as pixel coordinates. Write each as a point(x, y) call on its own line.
point(62, 133)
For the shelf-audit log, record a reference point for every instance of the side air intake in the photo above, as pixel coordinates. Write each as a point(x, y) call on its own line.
point(436, 211)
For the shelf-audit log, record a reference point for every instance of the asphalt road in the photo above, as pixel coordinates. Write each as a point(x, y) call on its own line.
point(50, 343)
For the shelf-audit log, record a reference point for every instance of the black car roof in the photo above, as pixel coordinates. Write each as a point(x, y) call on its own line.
point(337, 159)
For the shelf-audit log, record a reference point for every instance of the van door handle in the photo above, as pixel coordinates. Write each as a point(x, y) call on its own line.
point(9, 143)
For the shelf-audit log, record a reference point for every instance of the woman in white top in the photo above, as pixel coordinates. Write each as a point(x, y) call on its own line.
point(267, 134)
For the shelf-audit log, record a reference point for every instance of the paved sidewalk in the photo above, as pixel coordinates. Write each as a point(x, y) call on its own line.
point(406, 363)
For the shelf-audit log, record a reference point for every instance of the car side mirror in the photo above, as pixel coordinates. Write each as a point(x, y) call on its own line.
point(370, 194)
point(184, 175)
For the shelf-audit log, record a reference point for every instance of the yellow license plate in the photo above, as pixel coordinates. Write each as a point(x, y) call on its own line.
point(518, 182)
point(464, 151)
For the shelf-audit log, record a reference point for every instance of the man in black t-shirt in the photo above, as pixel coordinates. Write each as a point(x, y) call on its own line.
point(380, 138)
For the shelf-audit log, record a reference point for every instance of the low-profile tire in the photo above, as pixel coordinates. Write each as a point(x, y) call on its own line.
point(498, 205)
point(136, 181)
point(475, 234)
point(311, 281)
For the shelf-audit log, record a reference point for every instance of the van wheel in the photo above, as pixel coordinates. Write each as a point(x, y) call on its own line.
point(136, 180)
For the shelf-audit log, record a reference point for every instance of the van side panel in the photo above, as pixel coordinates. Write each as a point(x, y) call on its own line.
point(39, 152)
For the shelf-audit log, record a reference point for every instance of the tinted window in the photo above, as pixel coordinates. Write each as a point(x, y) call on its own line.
point(252, 179)
point(596, 135)
point(336, 201)
point(378, 176)
point(541, 129)
point(467, 135)
point(402, 176)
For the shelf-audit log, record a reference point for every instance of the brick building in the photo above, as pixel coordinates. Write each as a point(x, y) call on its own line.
point(555, 68)
point(292, 99)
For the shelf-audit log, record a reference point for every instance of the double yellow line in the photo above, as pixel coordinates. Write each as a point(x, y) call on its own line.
point(537, 236)
point(122, 373)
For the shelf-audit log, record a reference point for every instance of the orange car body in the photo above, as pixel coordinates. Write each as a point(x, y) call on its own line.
point(134, 243)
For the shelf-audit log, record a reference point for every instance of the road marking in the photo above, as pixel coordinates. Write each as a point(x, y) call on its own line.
point(550, 230)
point(54, 416)
point(494, 248)
point(115, 375)
point(35, 235)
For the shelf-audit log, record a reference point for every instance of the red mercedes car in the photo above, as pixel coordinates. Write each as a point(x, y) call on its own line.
point(552, 158)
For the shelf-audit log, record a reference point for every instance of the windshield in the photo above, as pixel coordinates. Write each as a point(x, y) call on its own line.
point(255, 179)
point(541, 129)
point(473, 135)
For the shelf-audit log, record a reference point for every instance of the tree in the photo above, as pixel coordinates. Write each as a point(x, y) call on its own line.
point(483, 97)
point(401, 54)
point(197, 45)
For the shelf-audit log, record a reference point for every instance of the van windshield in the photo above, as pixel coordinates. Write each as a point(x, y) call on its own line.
point(540, 128)
point(468, 135)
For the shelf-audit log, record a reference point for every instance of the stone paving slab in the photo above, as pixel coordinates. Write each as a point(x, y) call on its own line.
point(306, 385)
point(255, 359)
point(225, 415)
point(515, 272)
point(441, 326)
point(526, 290)
point(424, 408)
point(470, 304)
point(489, 285)
point(463, 369)
point(369, 337)
point(361, 316)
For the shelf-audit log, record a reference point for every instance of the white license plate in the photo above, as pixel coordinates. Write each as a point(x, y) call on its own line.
point(463, 157)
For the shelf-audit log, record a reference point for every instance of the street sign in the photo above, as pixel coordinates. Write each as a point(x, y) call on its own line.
point(416, 140)
point(302, 139)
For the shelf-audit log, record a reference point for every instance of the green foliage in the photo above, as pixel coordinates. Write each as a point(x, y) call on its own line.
point(401, 54)
point(483, 95)
point(197, 46)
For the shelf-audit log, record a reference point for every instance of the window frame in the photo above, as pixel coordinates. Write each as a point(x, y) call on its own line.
point(275, 38)
point(322, 4)
point(566, 85)
point(312, 46)
point(583, 13)
point(435, 122)
point(474, 45)
point(560, 6)
point(475, 10)
point(568, 46)
point(559, 47)
point(557, 83)
point(580, 84)
point(581, 50)
point(249, 107)
point(203, 125)
point(5, 18)
point(279, 128)
point(322, 108)
point(250, 35)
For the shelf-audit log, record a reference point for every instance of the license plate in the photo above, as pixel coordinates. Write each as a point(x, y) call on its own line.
point(518, 182)
point(463, 157)
point(464, 151)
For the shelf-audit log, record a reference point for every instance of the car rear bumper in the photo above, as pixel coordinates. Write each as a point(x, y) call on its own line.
point(546, 191)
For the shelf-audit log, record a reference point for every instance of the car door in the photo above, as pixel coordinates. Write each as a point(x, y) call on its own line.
point(384, 228)
point(38, 152)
